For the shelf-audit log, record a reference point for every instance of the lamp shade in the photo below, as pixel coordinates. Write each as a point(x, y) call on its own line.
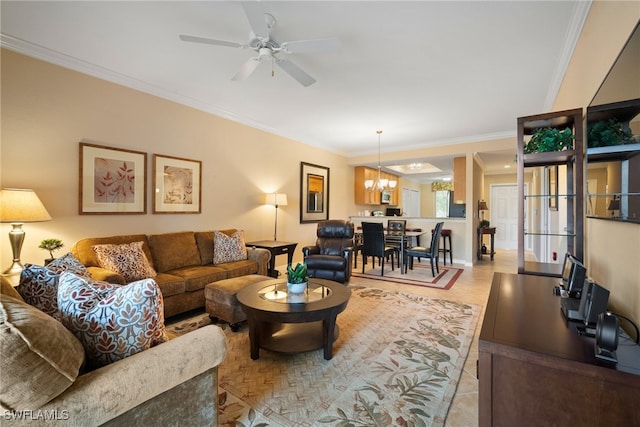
point(21, 205)
point(276, 199)
point(614, 205)
point(482, 205)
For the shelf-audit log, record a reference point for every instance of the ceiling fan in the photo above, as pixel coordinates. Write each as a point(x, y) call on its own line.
point(267, 48)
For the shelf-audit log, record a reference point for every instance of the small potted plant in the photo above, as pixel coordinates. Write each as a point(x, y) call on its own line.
point(297, 278)
point(50, 245)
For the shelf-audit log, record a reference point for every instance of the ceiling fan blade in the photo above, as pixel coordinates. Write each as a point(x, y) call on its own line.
point(246, 69)
point(296, 72)
point(312, 46)
point(186, 38)
point(255, 15)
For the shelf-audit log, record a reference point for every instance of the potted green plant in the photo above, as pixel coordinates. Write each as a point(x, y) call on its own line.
point(549, 139)
point(50, 245)
point(297, 278)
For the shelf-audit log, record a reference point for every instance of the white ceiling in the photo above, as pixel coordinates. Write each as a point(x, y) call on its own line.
point(428, 73)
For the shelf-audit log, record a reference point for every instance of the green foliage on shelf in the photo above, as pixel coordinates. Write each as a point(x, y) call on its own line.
point(297, 275)
point(606, 133)
point(484, 224)
point(548, 139)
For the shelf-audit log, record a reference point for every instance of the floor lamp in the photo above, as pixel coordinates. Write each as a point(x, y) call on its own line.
point(18, 206)
point(276, 199)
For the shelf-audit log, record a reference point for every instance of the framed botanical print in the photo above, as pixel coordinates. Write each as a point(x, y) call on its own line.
point(112, 180)
point(314, 193)
point(176, 185)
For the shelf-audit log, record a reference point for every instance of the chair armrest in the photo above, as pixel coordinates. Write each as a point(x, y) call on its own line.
point(262, 257)
point(310, 250)
point(100, 395)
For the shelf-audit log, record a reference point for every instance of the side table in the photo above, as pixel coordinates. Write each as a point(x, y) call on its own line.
point(276, 248)
point(481, 232)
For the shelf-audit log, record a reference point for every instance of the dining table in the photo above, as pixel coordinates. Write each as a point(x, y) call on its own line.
point(402, 240)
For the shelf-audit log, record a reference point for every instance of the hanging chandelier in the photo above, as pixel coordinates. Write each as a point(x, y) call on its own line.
point(380, 184)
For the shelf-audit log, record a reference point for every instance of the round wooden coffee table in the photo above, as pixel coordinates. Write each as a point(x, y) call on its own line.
point(293, 323)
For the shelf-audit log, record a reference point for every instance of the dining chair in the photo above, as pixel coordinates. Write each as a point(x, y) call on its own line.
point(358, 243)
point(432, 253)
point(397, 236)
point(374, 245)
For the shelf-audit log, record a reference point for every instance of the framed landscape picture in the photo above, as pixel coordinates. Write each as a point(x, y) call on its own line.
point(112, 180)
point(176, 185)
point(314, 193)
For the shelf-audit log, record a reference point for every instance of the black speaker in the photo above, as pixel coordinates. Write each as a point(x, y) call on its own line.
point(607, 329)
point(593, 301)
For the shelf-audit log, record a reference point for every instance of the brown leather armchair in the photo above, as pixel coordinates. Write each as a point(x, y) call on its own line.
point(332, 254)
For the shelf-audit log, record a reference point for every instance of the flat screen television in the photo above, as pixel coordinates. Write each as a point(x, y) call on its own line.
point(393, 212)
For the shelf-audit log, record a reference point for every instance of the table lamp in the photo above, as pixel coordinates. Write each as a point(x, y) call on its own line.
point(614, 205)
point(276, 199)
point(18, 206)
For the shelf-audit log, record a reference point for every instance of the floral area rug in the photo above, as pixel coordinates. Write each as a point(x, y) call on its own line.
point(420, 275)
point(397, 361)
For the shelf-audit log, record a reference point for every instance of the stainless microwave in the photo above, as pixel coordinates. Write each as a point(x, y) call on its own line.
point(385, 197)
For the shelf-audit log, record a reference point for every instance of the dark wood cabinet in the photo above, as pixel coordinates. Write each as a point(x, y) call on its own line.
point(536, 370)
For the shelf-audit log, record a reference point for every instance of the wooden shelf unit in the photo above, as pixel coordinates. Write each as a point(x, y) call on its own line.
point(573, 192)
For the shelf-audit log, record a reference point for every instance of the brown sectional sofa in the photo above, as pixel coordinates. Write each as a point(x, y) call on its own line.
point(183, 261)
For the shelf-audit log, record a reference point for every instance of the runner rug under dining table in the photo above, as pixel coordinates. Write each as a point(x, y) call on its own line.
point(420, 275)
point(397, 361)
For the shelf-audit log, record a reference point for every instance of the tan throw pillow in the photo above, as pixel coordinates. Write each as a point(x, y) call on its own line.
point(228, 248)
point(127, 259)
point(39, 358)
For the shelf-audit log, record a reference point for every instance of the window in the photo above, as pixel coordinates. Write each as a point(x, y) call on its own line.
point(442, 203)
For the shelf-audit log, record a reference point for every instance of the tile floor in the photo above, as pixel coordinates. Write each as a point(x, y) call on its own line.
point(472, 287)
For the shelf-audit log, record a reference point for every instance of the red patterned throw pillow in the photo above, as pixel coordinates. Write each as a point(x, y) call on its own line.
point(228, 248)
point(127, 259)
point(111, 321)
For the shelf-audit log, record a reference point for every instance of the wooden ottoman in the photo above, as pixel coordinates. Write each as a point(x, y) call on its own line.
point(221, 301)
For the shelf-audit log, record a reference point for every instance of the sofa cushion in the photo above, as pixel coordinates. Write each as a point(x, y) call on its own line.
point(111, 321)
point(36, 347)
point(204, 240)
point(174, 250)
point(126, 259)
point(228, 248)
point(239, 268)
point(170, 284)
point(197, 277)
point(6, 288)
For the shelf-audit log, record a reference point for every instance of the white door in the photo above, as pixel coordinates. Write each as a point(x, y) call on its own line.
point(504, 215)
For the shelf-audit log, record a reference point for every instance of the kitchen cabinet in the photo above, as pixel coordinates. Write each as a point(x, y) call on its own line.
point(459, 179)
point(363, 196)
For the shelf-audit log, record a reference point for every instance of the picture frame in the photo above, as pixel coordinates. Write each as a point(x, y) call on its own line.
point(553, 188)
point(314, 193)
point(176, 185)
point(113, 180)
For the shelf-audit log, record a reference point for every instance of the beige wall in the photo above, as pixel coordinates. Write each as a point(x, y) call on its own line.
point(611, 248)
point(47, 110)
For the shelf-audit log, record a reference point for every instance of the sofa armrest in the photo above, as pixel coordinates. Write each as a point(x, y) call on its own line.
point(262, 257)
point(103, 394)
point(105, 275)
